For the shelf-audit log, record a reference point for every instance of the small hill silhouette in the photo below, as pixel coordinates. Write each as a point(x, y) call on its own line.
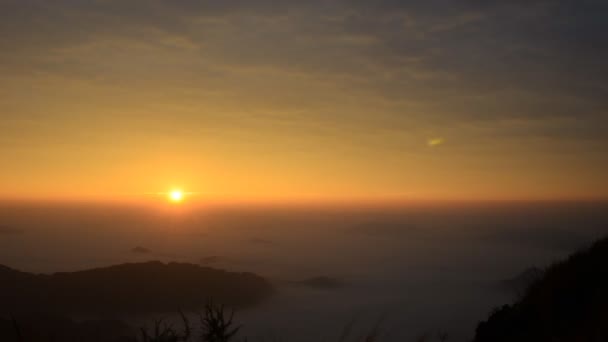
point(128, 288)
point(520, 283)
point(568, 303)
point(322, 283)
point(140, 250)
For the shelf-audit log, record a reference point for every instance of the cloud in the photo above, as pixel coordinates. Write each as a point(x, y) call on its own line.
point(360, 67)
point(435, 142)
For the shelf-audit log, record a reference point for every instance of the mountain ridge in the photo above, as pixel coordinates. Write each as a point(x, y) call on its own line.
point(145, 287)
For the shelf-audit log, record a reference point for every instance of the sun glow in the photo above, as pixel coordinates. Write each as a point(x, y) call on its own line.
point(176, 196)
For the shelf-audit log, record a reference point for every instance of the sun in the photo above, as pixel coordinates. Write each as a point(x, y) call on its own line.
point(176, 196)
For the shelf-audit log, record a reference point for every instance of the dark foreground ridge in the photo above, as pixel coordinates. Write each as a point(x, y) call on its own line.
point(128, 288)
point(568, 303)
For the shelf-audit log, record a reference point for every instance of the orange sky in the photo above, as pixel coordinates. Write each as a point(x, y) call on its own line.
point(288, 105)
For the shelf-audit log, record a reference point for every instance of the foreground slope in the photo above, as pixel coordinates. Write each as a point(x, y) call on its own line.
point(568, 303)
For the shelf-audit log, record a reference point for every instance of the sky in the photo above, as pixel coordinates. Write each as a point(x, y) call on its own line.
point(260, 100)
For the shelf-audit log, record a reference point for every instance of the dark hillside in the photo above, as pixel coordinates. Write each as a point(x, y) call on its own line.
point(569, 303)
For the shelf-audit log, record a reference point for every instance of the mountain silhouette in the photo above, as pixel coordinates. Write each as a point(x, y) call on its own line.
point(140, 250)
point(520, 283)
point(128, 288)
point(322, 283)
point(569, 302)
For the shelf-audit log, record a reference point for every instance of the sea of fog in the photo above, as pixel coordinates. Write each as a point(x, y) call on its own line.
point(409, 270)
